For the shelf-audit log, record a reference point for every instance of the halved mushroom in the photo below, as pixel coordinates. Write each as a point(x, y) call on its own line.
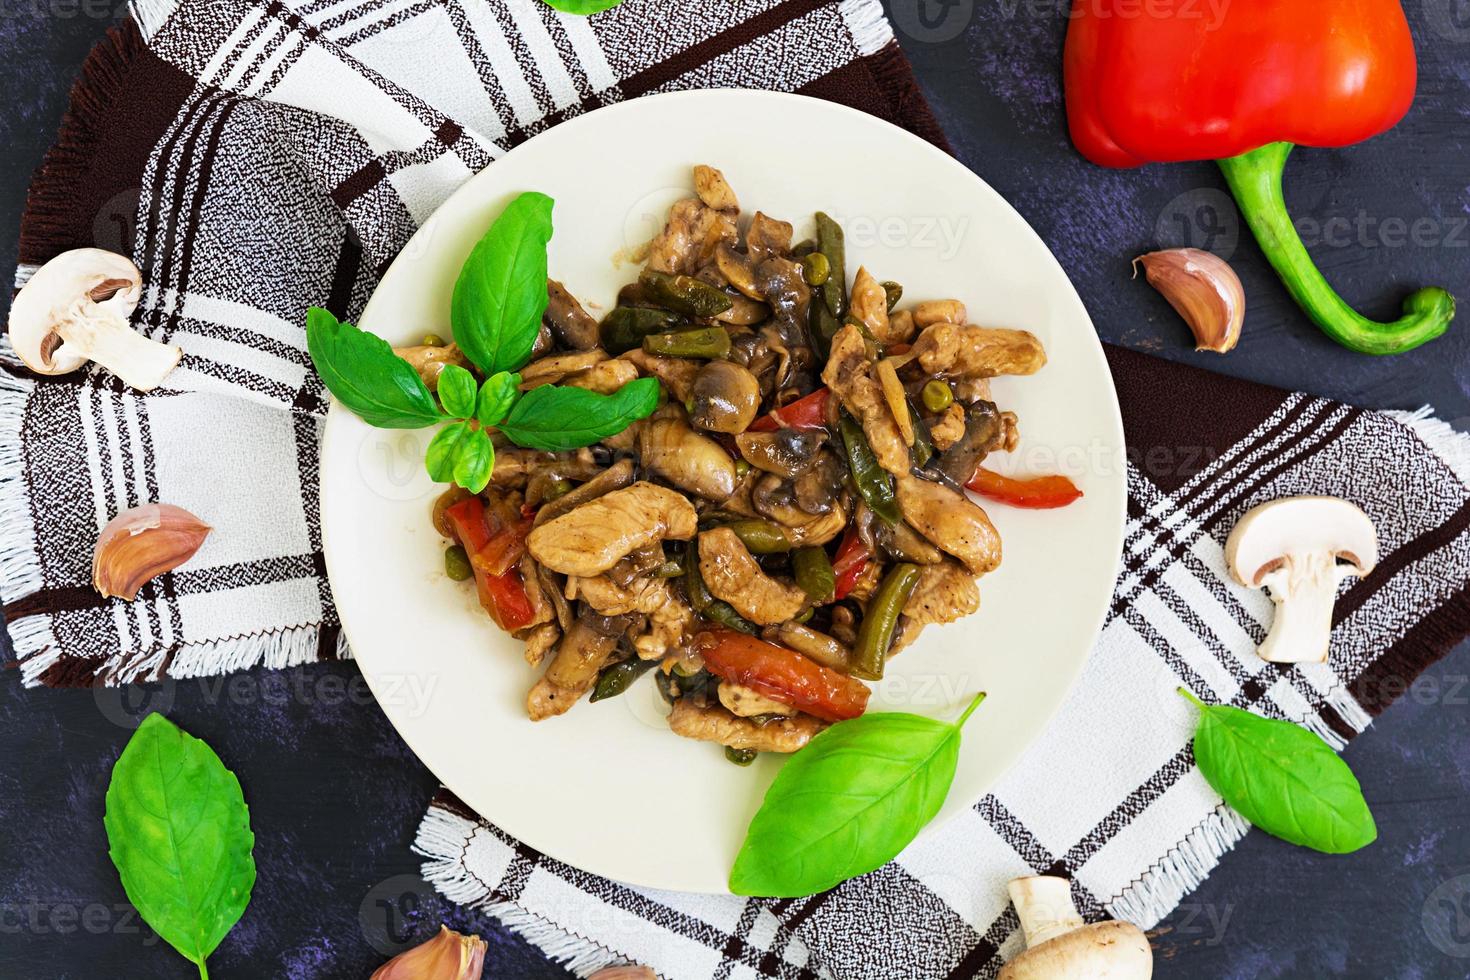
point(1060, 946)
point(1301, 548)
point(725, 397)
point(75, 309)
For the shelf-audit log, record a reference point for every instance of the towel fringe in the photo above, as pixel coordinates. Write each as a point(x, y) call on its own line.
point(20, 562)
point(867, 24)
point(1160, 889)
point(1448, 444)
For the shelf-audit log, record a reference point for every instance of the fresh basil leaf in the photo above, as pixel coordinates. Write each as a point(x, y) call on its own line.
point(501, 291)
point(457, 391)
point(439, 457)
point(848, 803)
point(179, 833)
point(474, 459)
point(556, 418)
point(1283, 779)
point(582, 7)
point(497, 395)
point(364, 374)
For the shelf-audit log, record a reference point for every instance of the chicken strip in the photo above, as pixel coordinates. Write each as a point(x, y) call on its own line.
point(952, 521)
point(593, 538)
point(573, 669)
point(849, 374)
point(971, 353)
point(714, 724)
point(676, 373)
point(429, 361)
point(713, 189)
point(731, 574)
point(690, 237)
point(869, 304)
point(944, 593)
point(745, 702)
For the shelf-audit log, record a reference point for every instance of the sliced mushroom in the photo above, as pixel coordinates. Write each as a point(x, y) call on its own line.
point(690, 461)
point(429, 360)
point(75, 309)
point(726, 397)
point(1060, 946)
point(785, 452)
point(1301, 548)
point(767, 237)
point(573, 668)
point(571, 325)
point(984, 433)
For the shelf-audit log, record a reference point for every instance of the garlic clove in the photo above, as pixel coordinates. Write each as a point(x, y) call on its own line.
point(141, 543)
point(1205, 291)
point(624, 973)
point(448, 956)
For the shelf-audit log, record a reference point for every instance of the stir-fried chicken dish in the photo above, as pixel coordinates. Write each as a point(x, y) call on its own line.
point(793, 515)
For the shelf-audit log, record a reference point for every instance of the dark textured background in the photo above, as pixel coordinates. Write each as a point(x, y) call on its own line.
point(335, 796)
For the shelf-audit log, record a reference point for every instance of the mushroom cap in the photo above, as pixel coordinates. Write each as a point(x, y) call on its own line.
point(79, 283)
point(1102, 951)
point(1276, 533)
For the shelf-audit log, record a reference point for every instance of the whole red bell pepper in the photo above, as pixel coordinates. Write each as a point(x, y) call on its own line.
point(1242, 83)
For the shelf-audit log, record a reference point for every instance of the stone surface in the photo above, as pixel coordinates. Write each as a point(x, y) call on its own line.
point(335, 795)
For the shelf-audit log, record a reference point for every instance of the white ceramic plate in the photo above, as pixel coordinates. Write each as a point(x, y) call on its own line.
point(606, 787)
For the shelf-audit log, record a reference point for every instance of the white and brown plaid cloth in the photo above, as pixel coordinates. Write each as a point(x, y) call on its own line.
point(256, 158)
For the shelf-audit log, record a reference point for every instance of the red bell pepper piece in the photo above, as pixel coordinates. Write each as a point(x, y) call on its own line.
point(1042, 493)
point(852, 558)
point(782, 675)
point(503, 596)
point(807, 412)
point(1241, 84)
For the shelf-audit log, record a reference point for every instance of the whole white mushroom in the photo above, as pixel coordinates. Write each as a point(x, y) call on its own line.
point(1060, 946)
point(75, 309)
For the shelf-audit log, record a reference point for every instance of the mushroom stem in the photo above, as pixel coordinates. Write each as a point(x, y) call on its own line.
point(1304, 596)
point(1045, 906)
point(141, 363)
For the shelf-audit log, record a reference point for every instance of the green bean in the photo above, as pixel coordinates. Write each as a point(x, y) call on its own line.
point(762, 537)
point(831, 243)
point(923, 443)
point(711, 343)
point(822, 326)
point(816, 269)
point(685, 293)
point(871, 480)
point(457, 563)
point(937, 396)
point(814, 574)
point(617, 678)
point(672, 568)
point(894, 291)
point(875, 636)
point(804, 248)
point(702, 602)
point(741, 757)
point(433, 340)
point(625, 327)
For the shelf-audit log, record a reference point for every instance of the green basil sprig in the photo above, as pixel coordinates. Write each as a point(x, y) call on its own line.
point(179, 833)
point(848, 803)
point(555, 418)
point(361, 369)
point(582, 7)
point(500, 295)
point(496, 312)
point(1282, 778)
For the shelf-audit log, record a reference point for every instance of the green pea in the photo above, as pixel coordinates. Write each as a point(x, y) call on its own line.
point(816, 268)
point(457, 563)
point(741, 468)
point(433, 340)
point(937, 396)
point(558, 488)
point(741, 757)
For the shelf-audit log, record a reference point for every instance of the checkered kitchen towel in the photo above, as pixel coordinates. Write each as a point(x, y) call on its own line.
point(255, 158)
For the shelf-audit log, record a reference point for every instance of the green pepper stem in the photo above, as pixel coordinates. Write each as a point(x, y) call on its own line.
point(1255, 180)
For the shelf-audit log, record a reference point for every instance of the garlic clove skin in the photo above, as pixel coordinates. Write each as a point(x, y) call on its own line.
point(141, 543)
point(1204, 290)
point(624, 973)
point(448, 956)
